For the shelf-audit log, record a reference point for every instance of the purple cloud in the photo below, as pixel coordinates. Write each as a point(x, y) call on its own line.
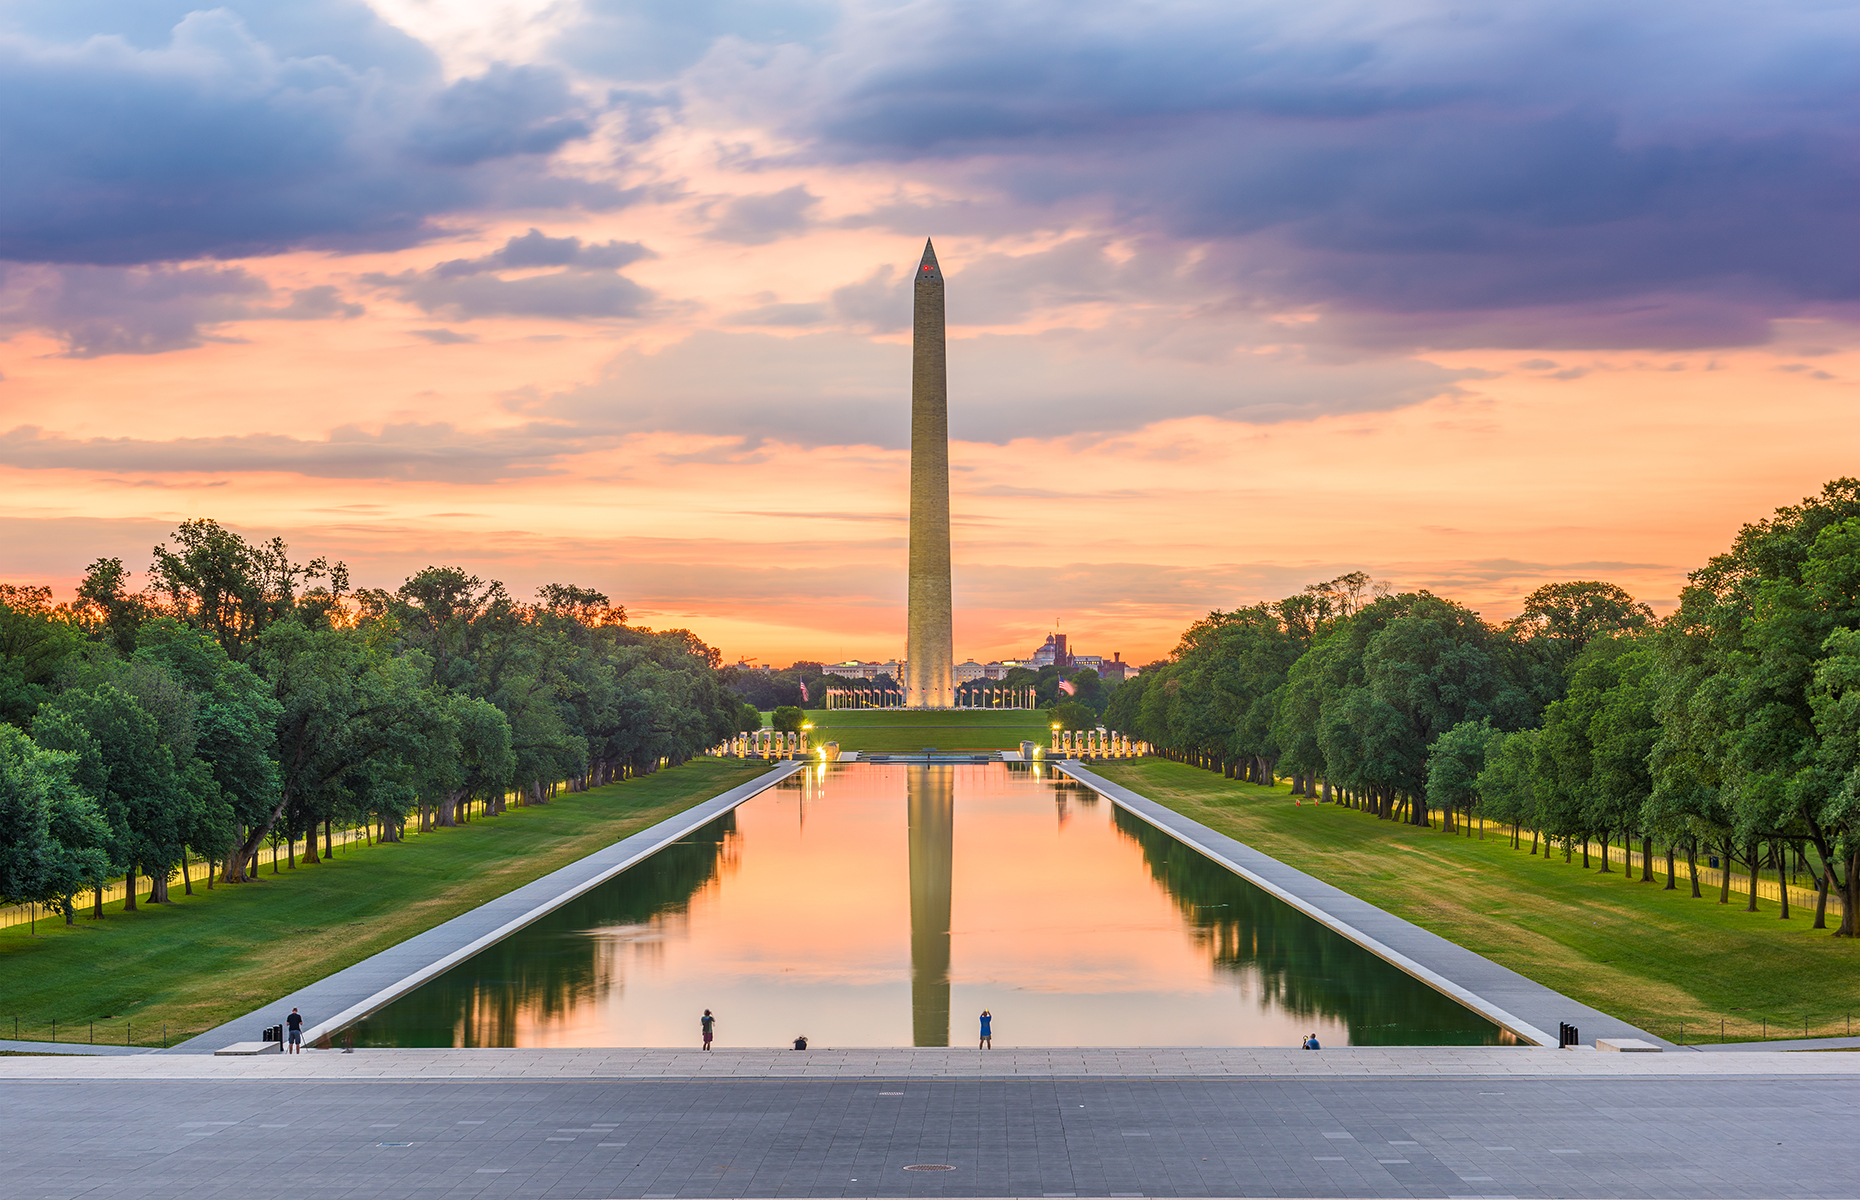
point(1695, 168)
point(215, 144)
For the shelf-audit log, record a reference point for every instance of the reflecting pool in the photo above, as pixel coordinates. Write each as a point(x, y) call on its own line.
point(888, 905)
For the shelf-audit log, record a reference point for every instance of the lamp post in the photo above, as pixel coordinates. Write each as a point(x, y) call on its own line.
point(805, 726)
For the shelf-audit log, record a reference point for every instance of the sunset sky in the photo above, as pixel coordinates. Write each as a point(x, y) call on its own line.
point(1472, 296)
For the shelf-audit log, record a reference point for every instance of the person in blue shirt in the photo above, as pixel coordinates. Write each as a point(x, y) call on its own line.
point(988, 1031)
point(1311, 1043)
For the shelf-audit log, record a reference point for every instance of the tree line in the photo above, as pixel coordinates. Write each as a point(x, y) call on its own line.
point(241, 698)
point(1731, 728)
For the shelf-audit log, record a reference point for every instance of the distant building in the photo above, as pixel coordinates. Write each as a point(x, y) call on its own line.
point(1054, 653)
point(854, 669)
point(1117, 669)
point(969, 672)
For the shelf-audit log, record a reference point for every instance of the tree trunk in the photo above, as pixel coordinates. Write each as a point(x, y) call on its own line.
point(1585, 853)
point(1692, 864)
point(310, 859)
point(1821, 898)
point(1850, 902)
point(329, 837)
point(1782, 881)
point(1671, 882)
point(187, 884)
point(1646, 858)
point(1327, 789)
point(1724, 876)
point(129, 890)
point(1756, 863)
point(96, 913)
point(158, 889)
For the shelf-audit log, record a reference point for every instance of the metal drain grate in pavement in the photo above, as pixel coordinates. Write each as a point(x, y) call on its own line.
point(929, 1167)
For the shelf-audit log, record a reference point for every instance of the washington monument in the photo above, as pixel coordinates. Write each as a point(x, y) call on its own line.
point(930, 644)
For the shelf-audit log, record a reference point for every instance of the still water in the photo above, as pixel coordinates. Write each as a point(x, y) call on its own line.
point(888, 905)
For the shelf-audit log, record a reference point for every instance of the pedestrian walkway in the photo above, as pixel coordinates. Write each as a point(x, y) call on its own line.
point(828, 1063)
point(9, 1047)
point(351, 994)
point(307, 1138)
point(1525, 1007)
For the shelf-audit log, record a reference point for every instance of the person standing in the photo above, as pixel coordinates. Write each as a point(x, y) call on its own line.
point(707, 1023)
point(295, 1023)
point(988, 1031)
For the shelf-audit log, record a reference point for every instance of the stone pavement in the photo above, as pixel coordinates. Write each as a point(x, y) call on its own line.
point(303, 1134)
point(829, 1065)
point(1527, 1008)
point(349, 995)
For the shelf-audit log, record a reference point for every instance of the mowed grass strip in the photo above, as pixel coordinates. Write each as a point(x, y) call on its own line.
point(897, 729)
point(1647, 955)
point(213, 956)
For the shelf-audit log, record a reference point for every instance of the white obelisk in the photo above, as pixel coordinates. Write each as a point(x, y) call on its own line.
point(930, 651)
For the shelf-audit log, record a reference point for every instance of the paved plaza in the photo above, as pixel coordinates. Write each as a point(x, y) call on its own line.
point(565, 1125)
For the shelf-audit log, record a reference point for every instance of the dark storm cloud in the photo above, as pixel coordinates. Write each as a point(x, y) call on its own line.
point(1424, 160)
point(588, 285)
point(122, 146)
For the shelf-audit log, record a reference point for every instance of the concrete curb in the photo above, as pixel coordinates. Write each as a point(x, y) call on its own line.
point(382, 978)
point(1326, 904)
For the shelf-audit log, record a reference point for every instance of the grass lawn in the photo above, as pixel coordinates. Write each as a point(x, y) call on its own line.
point(903, 729)
point(213, 956)
point(1649, 956)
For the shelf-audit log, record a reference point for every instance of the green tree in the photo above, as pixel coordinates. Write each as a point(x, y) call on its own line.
point(353, 720)
point(229, 588)
point(53, 841)
point(1507, 782)
point(35, 640)
point(787, 719)
point(151, 802)
point(1454, 764)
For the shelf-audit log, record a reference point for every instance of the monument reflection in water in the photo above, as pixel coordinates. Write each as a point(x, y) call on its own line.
point(887, 905)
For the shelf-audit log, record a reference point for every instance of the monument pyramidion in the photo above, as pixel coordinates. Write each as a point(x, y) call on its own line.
point(930, 652)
